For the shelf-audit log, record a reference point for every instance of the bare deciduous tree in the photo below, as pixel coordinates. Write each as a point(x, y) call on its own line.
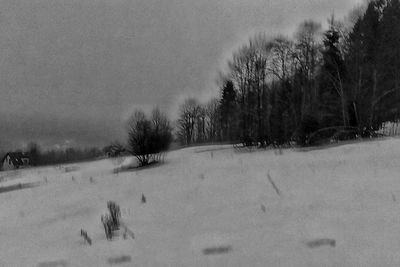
point(188, 113)
point(148, 137)
point(282, 61)
point(212, 124)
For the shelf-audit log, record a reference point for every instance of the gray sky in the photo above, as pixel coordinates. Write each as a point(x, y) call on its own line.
point(71, 71)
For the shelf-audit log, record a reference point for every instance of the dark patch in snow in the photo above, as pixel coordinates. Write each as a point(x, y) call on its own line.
point(71, 168)
point(119, 260)
point(321, 242)
point(217, 250)
point(85, 236)
point(263, 208)
point(278, 192)
point(131, 168)
point(19, 186)
point(59, 263)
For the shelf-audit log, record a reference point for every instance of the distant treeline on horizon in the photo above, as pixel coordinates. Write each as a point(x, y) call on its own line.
point(56, 156)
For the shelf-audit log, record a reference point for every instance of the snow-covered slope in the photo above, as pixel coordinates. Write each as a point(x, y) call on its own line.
point(212, 206)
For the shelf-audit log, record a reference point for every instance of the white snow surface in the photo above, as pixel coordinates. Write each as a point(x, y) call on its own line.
point(208, 198)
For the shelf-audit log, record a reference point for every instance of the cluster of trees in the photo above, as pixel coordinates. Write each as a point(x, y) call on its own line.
point(343, 82)
point(58, 156)
point(214, 121)
point(198, 123)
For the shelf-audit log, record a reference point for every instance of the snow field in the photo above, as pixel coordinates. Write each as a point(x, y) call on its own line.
point(212, 198)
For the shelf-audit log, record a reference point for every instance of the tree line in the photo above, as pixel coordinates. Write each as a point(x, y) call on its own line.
point(319, 85)
point(40, 157)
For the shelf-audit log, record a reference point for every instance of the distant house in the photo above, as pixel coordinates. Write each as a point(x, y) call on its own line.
point(114, 150)
point(15, 160)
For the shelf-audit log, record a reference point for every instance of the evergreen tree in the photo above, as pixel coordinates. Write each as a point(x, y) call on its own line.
point(354, 79)
point(332, 93)
point(371, 38)
point(228, 112)
point(362, 68)
point(387, 100)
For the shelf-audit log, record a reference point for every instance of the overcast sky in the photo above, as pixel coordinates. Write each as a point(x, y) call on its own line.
point(71, 71)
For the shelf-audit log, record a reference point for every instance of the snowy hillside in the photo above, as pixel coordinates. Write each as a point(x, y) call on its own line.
point(212, 206)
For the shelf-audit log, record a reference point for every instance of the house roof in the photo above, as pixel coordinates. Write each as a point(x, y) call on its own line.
point(16, 157)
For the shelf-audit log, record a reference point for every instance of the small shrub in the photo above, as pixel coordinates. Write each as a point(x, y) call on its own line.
point(111, 220)
point(107, 223)
point(115, 213)
point(85, 236)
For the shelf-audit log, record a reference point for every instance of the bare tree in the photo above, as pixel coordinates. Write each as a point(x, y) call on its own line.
point(148, 137)
point(212, 124)
point(250, 71)
point(282, 61)
point(188, 113)
point(139, 129)
point(201, 124)
point(161, 133)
